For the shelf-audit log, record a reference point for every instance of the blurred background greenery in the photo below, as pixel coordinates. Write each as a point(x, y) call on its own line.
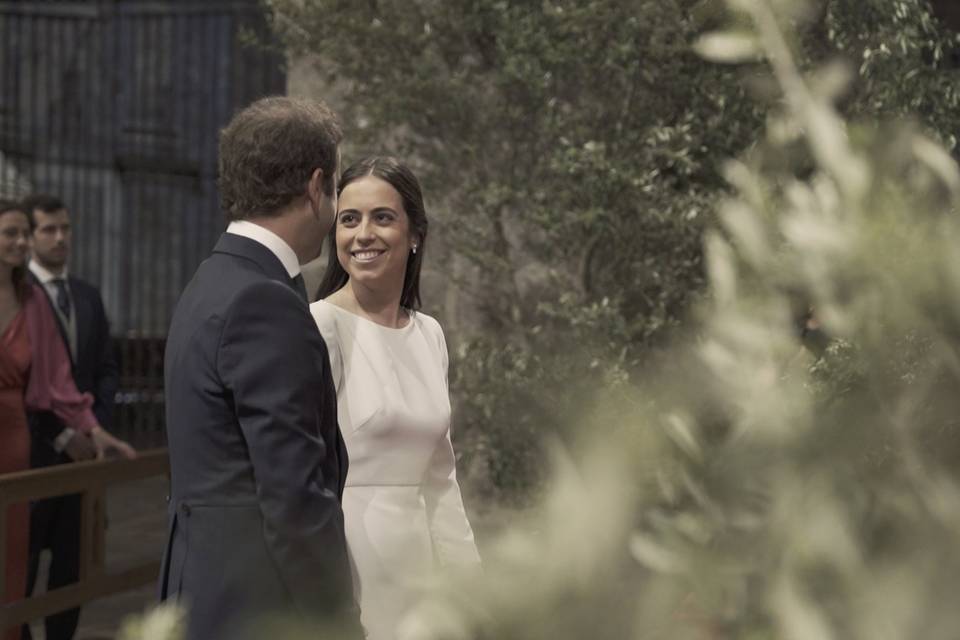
point(710, 345)
point(573, 154)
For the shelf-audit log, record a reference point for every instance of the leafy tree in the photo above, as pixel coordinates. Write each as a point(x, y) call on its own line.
point(558, 142)
point(755, 491)
point(744, 487)
point(572, 150)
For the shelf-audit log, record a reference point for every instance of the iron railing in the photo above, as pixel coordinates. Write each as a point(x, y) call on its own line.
point(115, 106)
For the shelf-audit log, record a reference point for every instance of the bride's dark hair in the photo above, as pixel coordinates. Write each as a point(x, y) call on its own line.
point(399, 176)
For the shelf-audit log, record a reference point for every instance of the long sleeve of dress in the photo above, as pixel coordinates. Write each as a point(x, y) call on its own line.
point(450, 529)
point(50, 386)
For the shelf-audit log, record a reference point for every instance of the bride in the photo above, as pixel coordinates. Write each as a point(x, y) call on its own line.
point(402, 506)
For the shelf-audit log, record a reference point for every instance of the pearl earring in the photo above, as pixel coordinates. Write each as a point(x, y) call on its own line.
point(414, 249)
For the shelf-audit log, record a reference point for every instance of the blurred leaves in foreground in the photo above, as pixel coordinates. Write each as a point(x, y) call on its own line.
point(753, 488)
point(746, 486)
point(572, 154)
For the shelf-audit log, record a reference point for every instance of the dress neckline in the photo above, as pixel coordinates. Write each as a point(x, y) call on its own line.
point(395, 330)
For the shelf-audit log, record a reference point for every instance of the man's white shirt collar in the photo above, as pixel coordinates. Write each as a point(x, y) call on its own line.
point(270, 240)
point(43, 274)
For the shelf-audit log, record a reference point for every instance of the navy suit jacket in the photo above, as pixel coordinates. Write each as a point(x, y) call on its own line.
point(94, 369)
point(256, 457)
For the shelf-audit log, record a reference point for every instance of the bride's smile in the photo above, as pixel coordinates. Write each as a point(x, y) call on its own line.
point(373, 236)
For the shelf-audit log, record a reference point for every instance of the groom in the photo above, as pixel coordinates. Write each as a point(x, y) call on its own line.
point(257, 460)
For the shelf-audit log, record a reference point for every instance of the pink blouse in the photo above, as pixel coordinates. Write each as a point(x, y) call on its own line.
point(50, 386)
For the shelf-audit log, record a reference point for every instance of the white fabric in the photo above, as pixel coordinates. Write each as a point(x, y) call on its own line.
point(44, 275)
point(277, 245)
point(46, 278)
point(402, 506)
point(61, 441)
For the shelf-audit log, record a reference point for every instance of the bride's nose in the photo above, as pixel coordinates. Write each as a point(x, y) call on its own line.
point(365, 232)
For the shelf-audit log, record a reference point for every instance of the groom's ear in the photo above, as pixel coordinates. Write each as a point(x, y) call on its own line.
point(315, 189)
point(315, 185)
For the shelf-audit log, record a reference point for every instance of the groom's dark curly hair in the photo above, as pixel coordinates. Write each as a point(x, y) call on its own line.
point(269, 150)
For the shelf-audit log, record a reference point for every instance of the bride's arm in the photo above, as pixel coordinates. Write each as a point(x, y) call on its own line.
point(446, 517)
point(450, 529)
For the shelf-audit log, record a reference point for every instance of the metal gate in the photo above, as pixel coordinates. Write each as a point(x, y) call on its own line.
point(115, 107)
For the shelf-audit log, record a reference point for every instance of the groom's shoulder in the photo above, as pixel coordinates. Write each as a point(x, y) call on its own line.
point(223, 276)
point(222, 286)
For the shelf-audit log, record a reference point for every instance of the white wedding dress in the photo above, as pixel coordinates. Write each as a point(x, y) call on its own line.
point(402, 508)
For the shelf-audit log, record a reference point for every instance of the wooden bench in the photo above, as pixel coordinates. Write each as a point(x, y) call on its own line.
point(90, 479)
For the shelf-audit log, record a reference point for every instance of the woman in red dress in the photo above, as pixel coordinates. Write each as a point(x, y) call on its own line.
point(14, 366)
point(35, 375)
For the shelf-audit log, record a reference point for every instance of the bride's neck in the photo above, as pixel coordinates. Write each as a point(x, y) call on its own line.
point(380, 306)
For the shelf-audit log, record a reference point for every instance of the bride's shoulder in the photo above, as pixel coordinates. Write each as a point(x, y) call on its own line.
point(430, 324)
point(324, 314)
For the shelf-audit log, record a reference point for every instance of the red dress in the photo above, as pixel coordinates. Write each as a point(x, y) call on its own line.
point(14, 453)
point(32, 345)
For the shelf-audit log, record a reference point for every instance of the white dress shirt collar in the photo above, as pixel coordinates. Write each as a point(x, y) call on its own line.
point(44, 275)
point(270, 240)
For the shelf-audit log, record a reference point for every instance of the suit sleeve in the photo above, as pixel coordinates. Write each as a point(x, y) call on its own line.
point(271, 359)
point(450, 529)
point(107, 371)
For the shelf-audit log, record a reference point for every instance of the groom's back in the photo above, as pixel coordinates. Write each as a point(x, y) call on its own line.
point(216, 557)
point(256, 459)
point(208, 453)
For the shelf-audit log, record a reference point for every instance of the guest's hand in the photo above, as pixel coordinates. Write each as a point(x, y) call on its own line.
point(80, 447)
point(105, 441)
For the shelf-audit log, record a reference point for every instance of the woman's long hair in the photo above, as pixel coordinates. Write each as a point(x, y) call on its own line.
point(21, 285)
point(397, 175)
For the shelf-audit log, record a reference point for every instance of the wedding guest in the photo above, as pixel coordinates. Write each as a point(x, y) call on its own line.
point(82, 322)
point(403, 511)
point(34, 376)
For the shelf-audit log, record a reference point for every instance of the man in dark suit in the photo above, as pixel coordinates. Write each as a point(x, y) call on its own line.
point(78, 307)
point(257, 462)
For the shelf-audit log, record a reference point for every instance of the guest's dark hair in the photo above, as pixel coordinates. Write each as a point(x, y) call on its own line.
point(268, 152)
point(398, 176)
point(42, 202)
point(21, 286)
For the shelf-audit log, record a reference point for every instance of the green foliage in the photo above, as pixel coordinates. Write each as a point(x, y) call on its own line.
point(904, 56)
point(553, 136)
point(738, 485)
point(753, 489)
point(583, 141)
point(546, 130)
point(164, 622)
